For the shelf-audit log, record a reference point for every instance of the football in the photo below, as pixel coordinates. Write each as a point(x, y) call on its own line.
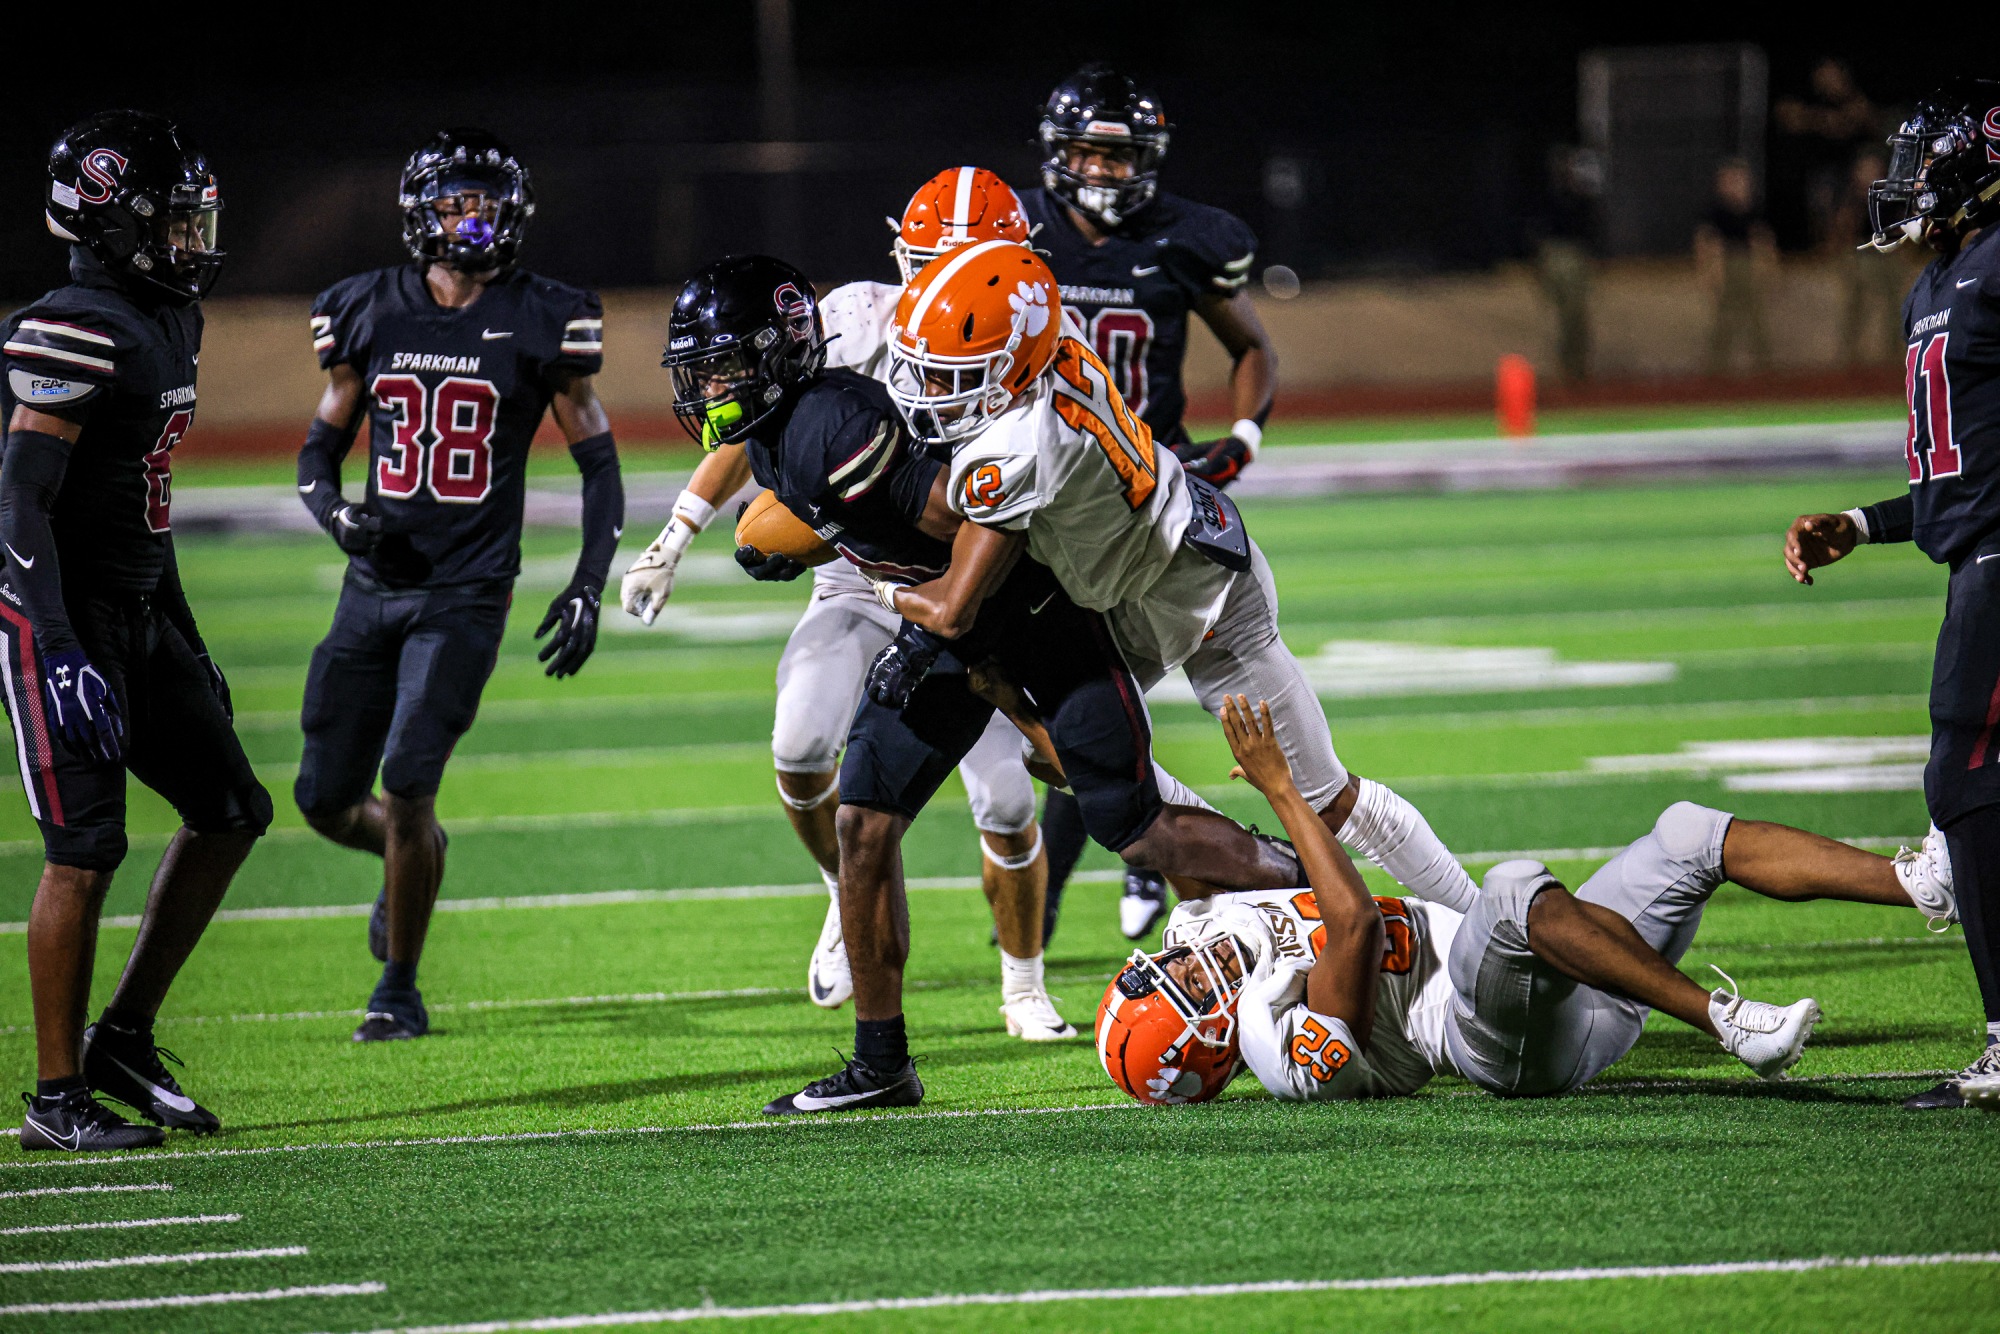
point(774, 530)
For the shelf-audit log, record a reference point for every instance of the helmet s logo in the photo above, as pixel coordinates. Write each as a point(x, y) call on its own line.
point(101, 168)
point(1030, 303)
point(792, 304)
point(1992, 128)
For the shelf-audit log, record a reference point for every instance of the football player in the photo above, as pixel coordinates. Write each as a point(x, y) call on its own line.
point(1943, 192)
point(747, 352)
point(451, 360)
point(1133, 263)
point(1332, 994)
point(1047, 458)
point(844, 627)
point(105, 672)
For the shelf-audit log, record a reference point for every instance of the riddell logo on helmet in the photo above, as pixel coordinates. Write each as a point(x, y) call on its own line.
point(102, 167)
point(1107, 127)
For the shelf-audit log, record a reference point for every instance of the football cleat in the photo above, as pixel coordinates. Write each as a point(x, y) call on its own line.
point(1976, 1085)
point(1143, 903)
point(1925, 875)
point(394, 1016)
point(1767, 1038)
point(75, 1122)
point(1032, 1017)
point(130, 1067)
point(829, 979)
point(857, 1087)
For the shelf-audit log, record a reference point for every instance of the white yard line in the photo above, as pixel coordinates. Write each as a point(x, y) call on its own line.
point(180, 1221)
point(80, 1190)
point(679, 1315)
point(127, 1261)
point(194, 1299)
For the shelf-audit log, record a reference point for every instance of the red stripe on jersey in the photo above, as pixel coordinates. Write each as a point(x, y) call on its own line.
point(41, 754)
point(1980, 747)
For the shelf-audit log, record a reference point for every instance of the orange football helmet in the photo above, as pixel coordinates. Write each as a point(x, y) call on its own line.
point(1166, 1030)
point(970, 332)
point(952, 208)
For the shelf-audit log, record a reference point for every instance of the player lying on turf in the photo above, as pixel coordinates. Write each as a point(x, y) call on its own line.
point(1334, 994)
point(844, 627)
point(1046, 458)
point(450, 360)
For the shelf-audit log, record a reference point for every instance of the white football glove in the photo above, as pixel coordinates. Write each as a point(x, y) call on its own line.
point(649, 583)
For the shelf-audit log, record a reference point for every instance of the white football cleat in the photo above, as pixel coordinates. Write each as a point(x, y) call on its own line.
point(1032, 1017)
point(1981, 1091)
point(1767, 1038)
point(829, 980)
point(1925, 875)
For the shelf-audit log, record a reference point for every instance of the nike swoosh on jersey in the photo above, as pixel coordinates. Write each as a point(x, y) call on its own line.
point(1965, 282)
point(309, 488)
point(27, 562)
point(805, 1102)
point(489, 335)
point(1981, 560)
point(1036, 610)
point(178, 1101)
point(1138, 272)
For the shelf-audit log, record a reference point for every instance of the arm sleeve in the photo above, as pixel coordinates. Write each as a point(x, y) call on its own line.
point(1298, 1055)
point(172, 601)
point(31, 473)
point(319, 468)
point(1891, 520)
point(603, 507)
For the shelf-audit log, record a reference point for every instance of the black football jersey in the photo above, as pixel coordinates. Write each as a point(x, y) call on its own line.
point(123, 368)
point(454, 397)
point(1133, 291)
point(840, 459)
point(1951, 321)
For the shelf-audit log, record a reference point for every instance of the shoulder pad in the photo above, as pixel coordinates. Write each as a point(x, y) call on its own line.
point(71, 334)
point(1208, 248)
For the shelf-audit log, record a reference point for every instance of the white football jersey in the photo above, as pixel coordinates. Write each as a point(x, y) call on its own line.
point(1301, 1056)
point(1104, 505)
point(856, 319)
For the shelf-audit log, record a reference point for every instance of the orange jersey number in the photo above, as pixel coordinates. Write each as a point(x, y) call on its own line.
point(1399, 952)
point(982, 488)
point(1319, 1051)
point(1089, 402)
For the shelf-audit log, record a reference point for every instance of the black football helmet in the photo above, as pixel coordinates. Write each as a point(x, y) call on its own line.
point(1944, 170)
point(127, 188)
point(745, 331)
point(457, 162)
point(1100, 108)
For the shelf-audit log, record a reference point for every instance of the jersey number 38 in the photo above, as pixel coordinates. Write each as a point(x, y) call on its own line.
point(443, 437)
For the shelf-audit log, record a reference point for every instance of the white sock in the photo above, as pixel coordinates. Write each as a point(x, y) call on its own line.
point(1393, 834)
point(832, 882)
point(1019, 977)
point(1993, 1033)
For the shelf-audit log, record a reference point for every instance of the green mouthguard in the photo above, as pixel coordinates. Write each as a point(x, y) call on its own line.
point(721, 418)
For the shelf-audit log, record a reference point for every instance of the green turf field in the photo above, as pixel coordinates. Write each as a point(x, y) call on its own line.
point(579, 1135)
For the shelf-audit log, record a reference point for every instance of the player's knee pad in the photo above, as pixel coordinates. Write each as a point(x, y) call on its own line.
point(244, 808)
point(1509, 889)
point(804, 744)
point(999, 804)
point(1692, 834)
point(92, 847)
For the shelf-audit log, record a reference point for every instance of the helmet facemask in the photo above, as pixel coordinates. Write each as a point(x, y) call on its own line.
point(1109, 199)
point(468, 215)
point(1200, 975)
point(947, 400)
point(1941, 182)
point(720, 395)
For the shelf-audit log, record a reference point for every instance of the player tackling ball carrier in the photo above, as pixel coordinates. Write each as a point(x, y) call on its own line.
point(451, 360)
point(1333, 994)
point(1943, 192)
point(105, 672)
point(844, 627)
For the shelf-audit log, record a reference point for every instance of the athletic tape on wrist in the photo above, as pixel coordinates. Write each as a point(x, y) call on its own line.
point(885, 593)
point(1020, 863)
point(674, 538)
point(808, 803)
point(1860, 519)
point(692, 510)
point(1250, 433)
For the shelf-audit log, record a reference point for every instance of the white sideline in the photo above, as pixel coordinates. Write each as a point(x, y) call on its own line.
point(184, 1258)
point(80, 1190)
point(182, 1220)
point(679, 1315)
point(608, 897)
point(194, 1299)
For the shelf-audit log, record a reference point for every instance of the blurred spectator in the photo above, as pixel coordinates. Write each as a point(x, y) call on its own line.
point(1734, 256)
point(1829, 128)
point(1565, 235)
point(1871, 323)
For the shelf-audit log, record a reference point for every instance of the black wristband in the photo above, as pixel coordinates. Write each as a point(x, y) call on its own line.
point(319, 469)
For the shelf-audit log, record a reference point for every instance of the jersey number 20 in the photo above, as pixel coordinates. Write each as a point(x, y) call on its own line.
point(454, 457)
point(1930, 410)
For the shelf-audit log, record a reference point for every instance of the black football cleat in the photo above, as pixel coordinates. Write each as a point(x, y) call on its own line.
point(130, 1067)
point(1947, 1096)
point(75, 1122)
point(858, 1087)
point(394, 1016)
point(1143, 903)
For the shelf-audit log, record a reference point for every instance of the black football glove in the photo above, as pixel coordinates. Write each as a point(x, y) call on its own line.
point(85, 712)
point(1214, 461)
point(219, 684)
point(355, 529)
point(573, 617)
point(768, 569)
point(900, 668)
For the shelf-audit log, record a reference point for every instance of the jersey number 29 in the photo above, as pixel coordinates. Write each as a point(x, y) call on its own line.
point(454, 457)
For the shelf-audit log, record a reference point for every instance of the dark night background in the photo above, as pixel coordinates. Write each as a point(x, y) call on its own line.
point(1420, 138)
